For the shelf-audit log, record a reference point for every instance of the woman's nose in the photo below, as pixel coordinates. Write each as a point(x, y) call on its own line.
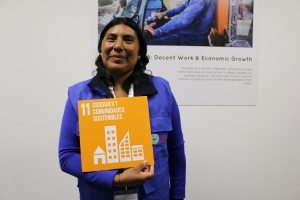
point(118, 45)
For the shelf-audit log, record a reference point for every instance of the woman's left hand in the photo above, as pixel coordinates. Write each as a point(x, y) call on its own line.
point(135, 175)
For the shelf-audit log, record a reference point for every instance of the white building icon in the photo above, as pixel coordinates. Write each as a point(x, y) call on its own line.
point(137, 152)
point(124, 148)
point(99, 154)
point(115, 153)
point(111, 142)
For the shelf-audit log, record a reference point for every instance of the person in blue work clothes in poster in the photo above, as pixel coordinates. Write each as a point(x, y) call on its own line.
point(189, 24)
point(121, 66)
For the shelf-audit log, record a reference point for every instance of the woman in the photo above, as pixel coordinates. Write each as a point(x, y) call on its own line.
point(121, 64)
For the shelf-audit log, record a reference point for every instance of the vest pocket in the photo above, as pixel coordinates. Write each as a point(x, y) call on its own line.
point(160, 123)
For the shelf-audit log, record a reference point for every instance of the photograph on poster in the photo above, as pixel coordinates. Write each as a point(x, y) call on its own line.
point(207, 46)
point(227, 23)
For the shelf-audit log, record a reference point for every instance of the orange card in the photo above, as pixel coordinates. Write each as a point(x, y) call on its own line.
point(114, 133)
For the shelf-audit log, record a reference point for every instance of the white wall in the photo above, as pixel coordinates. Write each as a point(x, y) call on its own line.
point(233, 153)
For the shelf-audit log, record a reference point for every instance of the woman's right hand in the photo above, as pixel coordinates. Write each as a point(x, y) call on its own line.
point(135, 175)
point(160, 15)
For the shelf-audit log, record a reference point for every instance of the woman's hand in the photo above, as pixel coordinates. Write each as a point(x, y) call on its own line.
point(135, 175)
point(150, 28)
point(160, 15)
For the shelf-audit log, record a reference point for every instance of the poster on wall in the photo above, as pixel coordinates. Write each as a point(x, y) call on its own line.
point(206, 49)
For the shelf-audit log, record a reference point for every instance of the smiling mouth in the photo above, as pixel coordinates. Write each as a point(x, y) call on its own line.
point(118, 56)
point(118, 59)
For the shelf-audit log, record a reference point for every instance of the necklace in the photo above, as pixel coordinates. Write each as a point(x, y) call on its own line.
point(130, 92)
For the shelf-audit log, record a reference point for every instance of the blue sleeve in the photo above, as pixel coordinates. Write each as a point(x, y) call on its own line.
point(185, 16)
point(177, 162)
point(69, 152)
point(175, 11)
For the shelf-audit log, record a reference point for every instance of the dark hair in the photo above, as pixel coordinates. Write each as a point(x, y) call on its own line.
point(140, 66)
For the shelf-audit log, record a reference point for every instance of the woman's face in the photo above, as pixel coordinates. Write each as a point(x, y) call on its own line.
point(120, 49)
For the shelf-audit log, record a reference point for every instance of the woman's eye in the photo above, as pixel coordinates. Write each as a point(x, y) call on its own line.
point(110, 39)
point(128, 40)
